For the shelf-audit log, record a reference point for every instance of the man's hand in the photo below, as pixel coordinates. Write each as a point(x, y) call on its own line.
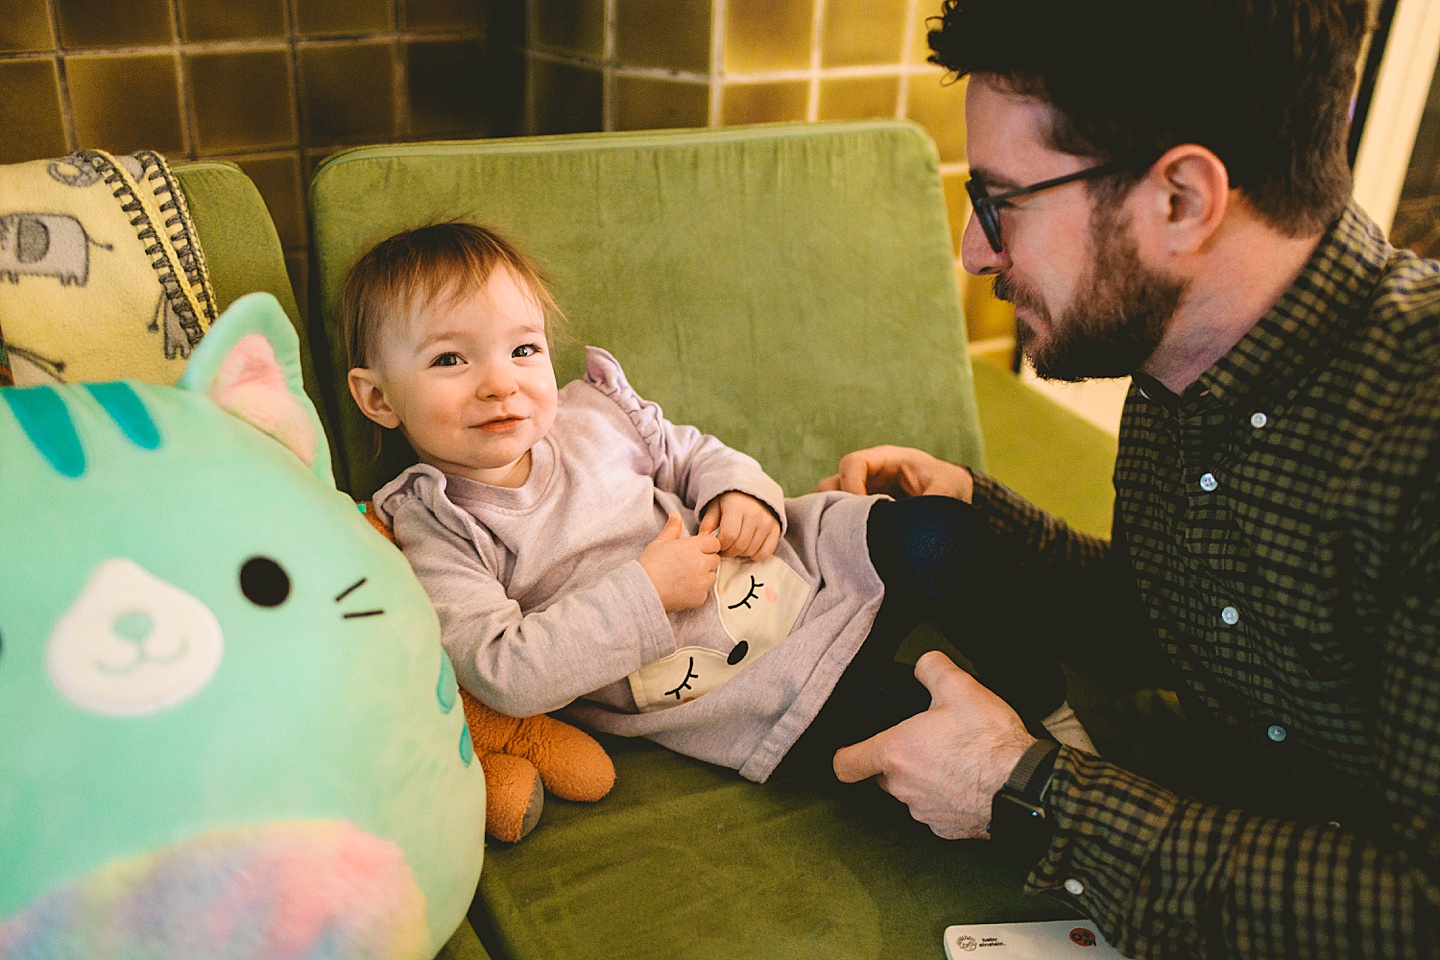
point(745, 526)
point(900, 472)
point(947, 763)
point(681, 568)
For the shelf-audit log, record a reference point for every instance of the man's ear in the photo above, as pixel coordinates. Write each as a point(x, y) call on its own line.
point(1186, 195)
point(369, 394)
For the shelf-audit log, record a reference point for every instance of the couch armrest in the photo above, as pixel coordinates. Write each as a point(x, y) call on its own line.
point(1035, 446)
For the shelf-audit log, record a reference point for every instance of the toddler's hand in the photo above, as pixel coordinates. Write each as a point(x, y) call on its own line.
point(681, 568)
point(745, 526)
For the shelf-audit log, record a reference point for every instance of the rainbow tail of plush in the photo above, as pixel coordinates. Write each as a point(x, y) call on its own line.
point(309, 890)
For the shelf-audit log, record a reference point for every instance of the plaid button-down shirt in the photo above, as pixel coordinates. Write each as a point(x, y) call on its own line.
point(1277, 536)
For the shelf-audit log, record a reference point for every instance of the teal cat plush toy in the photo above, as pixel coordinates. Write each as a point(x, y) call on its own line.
point(227, 728)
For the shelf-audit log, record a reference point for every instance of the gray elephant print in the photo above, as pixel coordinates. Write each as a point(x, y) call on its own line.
point(45, 245)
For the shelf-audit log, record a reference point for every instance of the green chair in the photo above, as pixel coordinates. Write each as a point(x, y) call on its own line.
point(790, 289)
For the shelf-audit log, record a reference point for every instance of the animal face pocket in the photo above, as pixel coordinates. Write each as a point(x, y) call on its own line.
point(758, 604)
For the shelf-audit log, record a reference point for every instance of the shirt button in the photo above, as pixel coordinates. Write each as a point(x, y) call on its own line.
point(1258, 420)
point(1074, 887)
point(1276, 732)
point(1208, 482)
point(1230, 615)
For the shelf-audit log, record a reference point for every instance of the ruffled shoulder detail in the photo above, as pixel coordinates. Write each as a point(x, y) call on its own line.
point(602, 371)
point(425, 484)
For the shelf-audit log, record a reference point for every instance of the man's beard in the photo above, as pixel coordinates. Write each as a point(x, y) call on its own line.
point(1115, 318)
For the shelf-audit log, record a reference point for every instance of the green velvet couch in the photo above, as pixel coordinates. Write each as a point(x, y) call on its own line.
point(790, 289)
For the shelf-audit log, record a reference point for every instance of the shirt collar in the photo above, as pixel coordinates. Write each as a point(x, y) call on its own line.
point(1331, 294)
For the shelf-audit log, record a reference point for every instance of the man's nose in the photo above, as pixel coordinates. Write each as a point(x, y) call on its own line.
point(975, 253)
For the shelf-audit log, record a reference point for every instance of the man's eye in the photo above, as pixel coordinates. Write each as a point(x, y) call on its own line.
point(527, 350)
point(446, 360)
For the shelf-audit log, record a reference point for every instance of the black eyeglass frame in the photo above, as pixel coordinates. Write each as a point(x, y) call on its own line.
point(987, 207)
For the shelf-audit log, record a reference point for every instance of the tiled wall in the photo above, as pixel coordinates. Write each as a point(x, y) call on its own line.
point(641, 64)
point(274, 85)
point(1417, 217)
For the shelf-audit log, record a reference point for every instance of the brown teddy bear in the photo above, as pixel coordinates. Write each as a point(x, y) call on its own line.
point(524, 756)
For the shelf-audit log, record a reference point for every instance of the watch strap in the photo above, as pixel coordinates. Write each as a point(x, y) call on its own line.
point(1032, 772)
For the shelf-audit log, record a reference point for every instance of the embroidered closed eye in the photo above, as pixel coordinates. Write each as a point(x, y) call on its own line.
point(353, 614)
point(750, 595)
point(690, 674)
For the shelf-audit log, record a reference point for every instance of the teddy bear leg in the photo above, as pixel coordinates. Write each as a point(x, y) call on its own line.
point(514, 796)
point(572, 763)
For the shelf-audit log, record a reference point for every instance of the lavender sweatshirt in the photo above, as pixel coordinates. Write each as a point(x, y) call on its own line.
point(543, 605)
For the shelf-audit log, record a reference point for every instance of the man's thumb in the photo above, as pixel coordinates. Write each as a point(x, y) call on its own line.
point(938, 674)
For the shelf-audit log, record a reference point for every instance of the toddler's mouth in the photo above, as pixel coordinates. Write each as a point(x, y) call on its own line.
point(501, 424)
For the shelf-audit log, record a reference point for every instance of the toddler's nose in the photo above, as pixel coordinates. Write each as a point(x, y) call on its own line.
point(497, 381)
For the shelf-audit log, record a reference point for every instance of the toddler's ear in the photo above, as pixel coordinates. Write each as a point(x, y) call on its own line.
point(369, 394)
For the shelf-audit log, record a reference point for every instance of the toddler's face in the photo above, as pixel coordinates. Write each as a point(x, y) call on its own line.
point(471, 381)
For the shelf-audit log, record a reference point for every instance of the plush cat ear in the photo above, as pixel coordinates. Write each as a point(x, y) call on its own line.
point(249, 363)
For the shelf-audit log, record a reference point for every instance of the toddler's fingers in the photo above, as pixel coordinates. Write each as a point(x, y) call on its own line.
point(710, 519)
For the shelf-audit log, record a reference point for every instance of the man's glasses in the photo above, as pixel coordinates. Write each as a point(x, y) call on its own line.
point(987, 208)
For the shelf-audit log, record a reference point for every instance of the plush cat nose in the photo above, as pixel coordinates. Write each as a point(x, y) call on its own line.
point(132, 643)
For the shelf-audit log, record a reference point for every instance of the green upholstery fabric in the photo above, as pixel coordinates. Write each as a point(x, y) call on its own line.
point(792, 290)
point(1041, 450)
point(789, 288)
point(242, 249)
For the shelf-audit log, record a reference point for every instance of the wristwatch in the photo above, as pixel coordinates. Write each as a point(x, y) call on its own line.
point(1017, 814)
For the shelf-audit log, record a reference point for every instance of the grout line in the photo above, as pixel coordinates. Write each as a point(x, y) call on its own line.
point(62, 80)
point(716, 80)
point(607, 70)
point(817, 37)
point(400, 122)
point(907, 57)
point(757, 77)
point(189, 127)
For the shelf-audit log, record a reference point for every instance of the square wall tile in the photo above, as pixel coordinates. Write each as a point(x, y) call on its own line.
point(242, 100)
point(642, 103)
point(863, 32)
point(347, 93)
point(986, 317)
point(939, 107)
point(566, 98)
point(926, 19)
point(87, 24)
point(674, 34)
point(30, 111)
point(319, 18)
point(124, 103)
point(25, 25)
point(449, 92)
point(957, 205)
point(859, 98)
point(764, 102)
point(765, 35)
point(278, 180)
point(448, 15)
point(232, 19)
point(568, 26)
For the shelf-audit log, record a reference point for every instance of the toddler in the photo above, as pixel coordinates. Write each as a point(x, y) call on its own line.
point(583, 551)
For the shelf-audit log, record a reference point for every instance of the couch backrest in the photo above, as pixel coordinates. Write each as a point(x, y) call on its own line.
point(788, 288)
point(242, 249)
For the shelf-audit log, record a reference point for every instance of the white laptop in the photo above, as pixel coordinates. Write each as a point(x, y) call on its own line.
point(1040, 940)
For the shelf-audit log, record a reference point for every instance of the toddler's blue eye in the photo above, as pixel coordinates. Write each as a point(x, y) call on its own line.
point(528, 350)
point(446, 360)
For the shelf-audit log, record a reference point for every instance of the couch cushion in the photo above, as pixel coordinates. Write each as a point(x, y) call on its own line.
point(789, 288)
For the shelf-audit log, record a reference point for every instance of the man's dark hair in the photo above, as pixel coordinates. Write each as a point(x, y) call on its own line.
point(1265, 84)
